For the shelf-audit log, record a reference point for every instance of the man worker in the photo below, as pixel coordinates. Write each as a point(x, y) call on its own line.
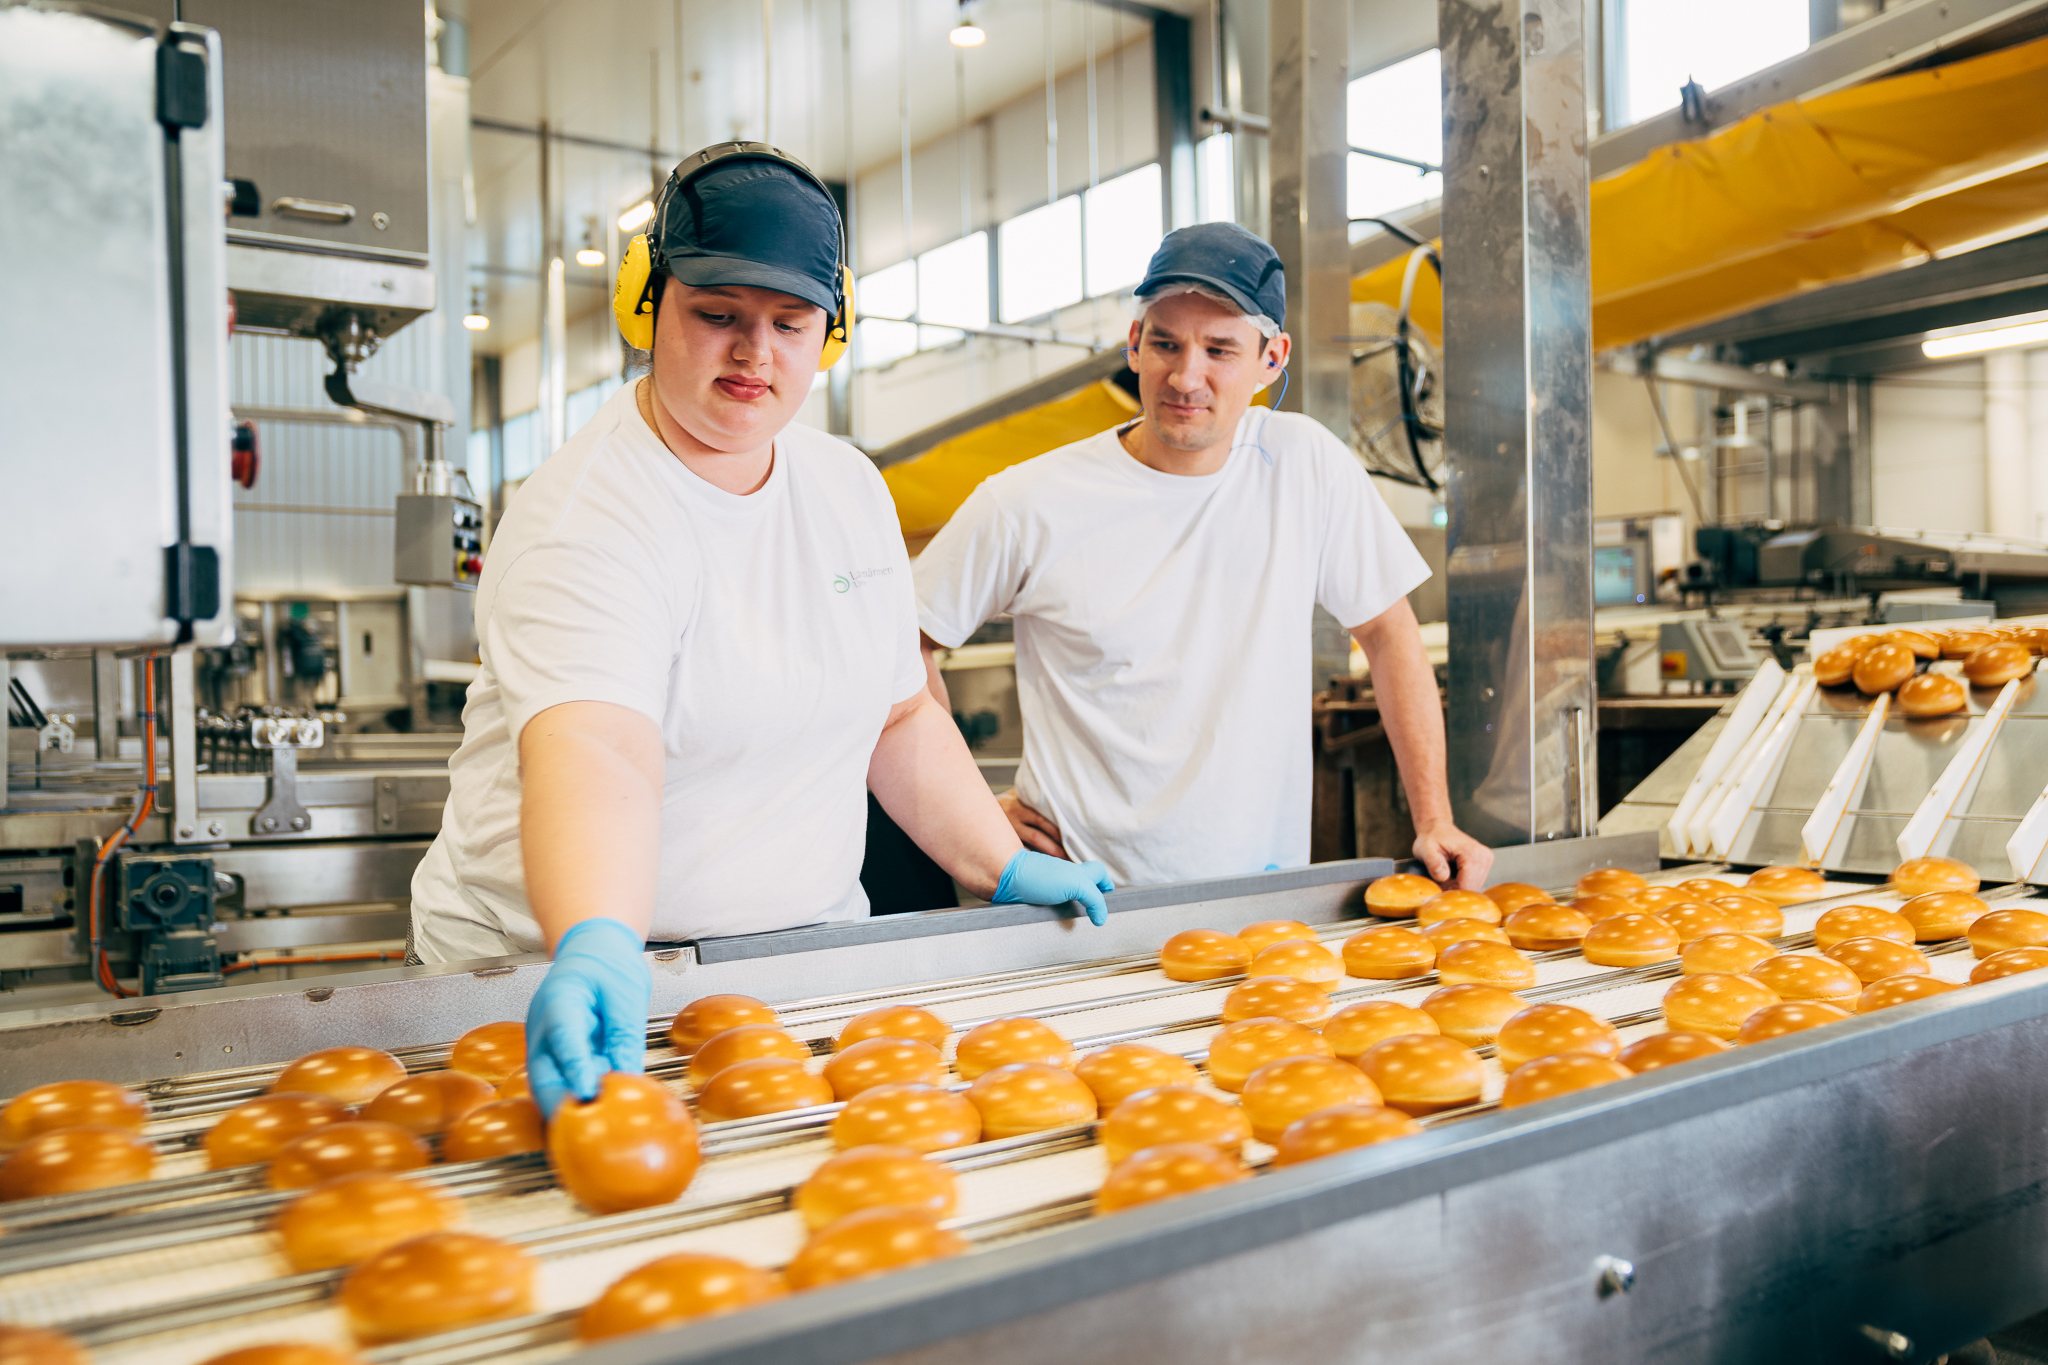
point(1162, 577)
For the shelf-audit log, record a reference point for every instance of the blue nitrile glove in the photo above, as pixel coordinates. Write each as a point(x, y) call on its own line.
point(1037, 879)
point(589, 1015)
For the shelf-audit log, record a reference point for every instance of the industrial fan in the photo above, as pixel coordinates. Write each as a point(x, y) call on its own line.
point(1397, 402)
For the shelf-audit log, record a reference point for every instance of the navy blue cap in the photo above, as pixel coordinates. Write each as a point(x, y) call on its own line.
point(1226, 258)
point(752, 221)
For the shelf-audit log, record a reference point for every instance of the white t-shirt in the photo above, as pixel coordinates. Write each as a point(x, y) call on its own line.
point(1163, 631)
point(767, 635)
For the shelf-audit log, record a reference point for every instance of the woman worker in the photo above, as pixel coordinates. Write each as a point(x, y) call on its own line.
point(699, 650)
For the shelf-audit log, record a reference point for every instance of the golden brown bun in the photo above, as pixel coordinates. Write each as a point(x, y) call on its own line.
point(1694, 920)
point(1512, 896)
point(1919, 642)
point(1899, 990)
point(1560, 1074)
point(1883, 668)
point(1471, 1014)
point(1121, 1070)
point(923, 1118)
point(2002, 929)
point(490, 1052)
point(1714, 1002)
point(260, 1129)
point(1445, 932)
point(1602, 905)
point(1292, 1088)
point(1845, 922)
point(1029, 1097)
point(1792, 1016)
point(288, 1353)
point(1237, 1050)
point(1707, 888)
point(2010, 962)
point(349, 1219)
point(1265, 933)
point(632, 1146)
point(1732, 954)
point(769, 1085)
point(883, 1061)
point(1491, 964)
point(1172, 1113)
point(1961, 644)
point(1420, 1074)
point(1276, 997)
point(1609, 881)
point(708, 1016)
point(1833, 667)
point(1166, 1172)
point(500, 1128)
point(1356, 1027)
point(69, 1104)
point(1400, 895)
point(435, 1284)
point(344, 1149)
point(353, 1075)
point(871, 1242)
point(1660, 1050)
point(1802, 976)
point(1920, 876)
point(1874, 959)
point(1547, 1029)
point(1458, 905)
point(676, 1289)
point(1942, 914)
point(1388, 953)
point(1932, 694)
point(71, 1160)
point(1859, 645)
point(2034, 638)
point(1786, 885)
point(43, 1346)
point(741, 1043)
point(1755, 914)
point(1000, 1042)
point(1546, 927)
point(876, 1177)
point(1341, 1128)
point(1651, 900)
point(515, 1086)
point(1203, 955)
point(1996, 665)
point(894, 1021)
point(429, 1103)
point(1630, 940)
point(1302, 960)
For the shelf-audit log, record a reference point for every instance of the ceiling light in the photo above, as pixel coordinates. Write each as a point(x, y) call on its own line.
point(476, 321)
point(967, 34)
point(2028, 329)
point(633, 219)
point(590, 255)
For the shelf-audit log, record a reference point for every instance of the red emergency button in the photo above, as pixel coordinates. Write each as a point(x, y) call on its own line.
point(473, 565)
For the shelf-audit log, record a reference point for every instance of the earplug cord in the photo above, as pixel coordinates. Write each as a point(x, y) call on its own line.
point(145, 806)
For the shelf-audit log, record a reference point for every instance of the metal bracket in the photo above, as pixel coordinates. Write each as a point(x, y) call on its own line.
point(282, 813)
point(387, 804)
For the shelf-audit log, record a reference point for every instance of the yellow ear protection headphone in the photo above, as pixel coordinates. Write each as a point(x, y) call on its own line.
point(633, 299)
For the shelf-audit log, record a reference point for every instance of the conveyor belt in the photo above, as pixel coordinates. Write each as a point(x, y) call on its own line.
point(179, 1268)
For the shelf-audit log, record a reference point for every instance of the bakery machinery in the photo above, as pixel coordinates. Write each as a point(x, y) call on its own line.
point(180, 133)
point(1860, 1191)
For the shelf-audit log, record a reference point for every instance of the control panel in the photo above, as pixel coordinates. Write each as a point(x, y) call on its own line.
point(439, 541)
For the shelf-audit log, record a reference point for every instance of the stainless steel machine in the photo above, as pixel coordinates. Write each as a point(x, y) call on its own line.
point(1862, 1191)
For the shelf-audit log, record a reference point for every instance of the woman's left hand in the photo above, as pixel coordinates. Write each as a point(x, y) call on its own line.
point(1034, 879)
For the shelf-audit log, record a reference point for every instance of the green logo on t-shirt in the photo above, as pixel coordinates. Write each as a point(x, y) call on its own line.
point(840, 582)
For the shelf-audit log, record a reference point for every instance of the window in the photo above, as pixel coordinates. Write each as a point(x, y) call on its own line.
point(479, 460)
point(1216, 174)
point(890, 293)
point(1398, 109)
point(883, 341)
point(1041, 260)
point(584, 403)
point(952, 285)
point(1665, 43)
point(522, 445)
point(1123, 229)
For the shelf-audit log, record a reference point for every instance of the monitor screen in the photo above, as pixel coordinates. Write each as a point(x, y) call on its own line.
point(1614, 576)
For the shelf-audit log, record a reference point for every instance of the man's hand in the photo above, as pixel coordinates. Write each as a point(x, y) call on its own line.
point(1444, 848)
point(1037, 831)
